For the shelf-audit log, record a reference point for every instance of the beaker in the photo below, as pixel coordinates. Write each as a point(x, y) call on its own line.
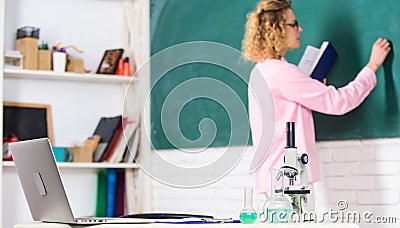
point(277, 208)
point(248, 215)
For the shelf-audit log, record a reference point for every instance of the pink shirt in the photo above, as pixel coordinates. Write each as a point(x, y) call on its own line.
point(295, 95)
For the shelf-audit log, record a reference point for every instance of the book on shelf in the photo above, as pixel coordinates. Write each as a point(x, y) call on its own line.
point(317, 62)
point(133, 146)
point(106, 128)
point(119, 151)
point(101, 197)
point(118, 134)
point(130, 200)
point(120, 194)
point(111, 192)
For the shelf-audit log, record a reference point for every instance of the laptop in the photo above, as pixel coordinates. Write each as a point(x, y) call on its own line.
point(43, 187)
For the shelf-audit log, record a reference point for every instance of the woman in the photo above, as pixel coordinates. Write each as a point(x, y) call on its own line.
point(271, 30)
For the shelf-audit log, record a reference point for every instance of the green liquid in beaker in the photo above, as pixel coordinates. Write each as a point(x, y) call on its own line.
point(248, 217)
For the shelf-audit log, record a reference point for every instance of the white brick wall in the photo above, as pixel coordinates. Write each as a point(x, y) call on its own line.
point(365, 173)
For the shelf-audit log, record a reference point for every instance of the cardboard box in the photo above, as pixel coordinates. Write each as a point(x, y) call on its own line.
point(75, 65)
point(28, 46)
point(44, 60)
point(81, 153)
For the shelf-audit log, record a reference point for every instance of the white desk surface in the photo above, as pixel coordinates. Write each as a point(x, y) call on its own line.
point(226, 225)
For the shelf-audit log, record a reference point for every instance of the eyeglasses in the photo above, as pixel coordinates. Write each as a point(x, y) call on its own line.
point(294, 24)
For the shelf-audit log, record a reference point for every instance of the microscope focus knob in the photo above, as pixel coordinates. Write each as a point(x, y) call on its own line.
point(304, 159)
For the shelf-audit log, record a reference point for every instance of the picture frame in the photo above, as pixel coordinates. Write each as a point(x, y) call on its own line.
point(27, 120)
point(109, 62)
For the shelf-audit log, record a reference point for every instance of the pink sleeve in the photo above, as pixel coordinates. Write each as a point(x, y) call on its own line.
point(255, 117)
point(316, 96)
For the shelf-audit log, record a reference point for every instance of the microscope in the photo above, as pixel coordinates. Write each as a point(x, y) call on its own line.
point(294, 167)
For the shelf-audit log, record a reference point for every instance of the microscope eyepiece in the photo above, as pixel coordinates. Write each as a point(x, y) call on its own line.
point(290, 135)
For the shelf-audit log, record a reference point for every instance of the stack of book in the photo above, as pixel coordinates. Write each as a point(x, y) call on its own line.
point(119, 139)
point(115, 193)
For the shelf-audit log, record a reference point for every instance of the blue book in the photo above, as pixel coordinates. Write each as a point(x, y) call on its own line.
point(317, 62)
point(111, 192)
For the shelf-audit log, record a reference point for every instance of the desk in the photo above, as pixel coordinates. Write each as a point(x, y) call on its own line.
point(226, 225)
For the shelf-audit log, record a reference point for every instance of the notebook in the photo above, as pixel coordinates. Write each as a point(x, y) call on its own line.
point(43, 187)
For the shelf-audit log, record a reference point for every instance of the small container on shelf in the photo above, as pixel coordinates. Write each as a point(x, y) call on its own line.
point(120, 68)
point(27, 44)
point(13, 59)
point(127, 67)
point(28, 31)
point(44, 56)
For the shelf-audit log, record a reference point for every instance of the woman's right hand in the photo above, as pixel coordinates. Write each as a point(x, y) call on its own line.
point(379, 52)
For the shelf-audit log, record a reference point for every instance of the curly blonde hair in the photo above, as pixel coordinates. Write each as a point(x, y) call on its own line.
point(265, 35)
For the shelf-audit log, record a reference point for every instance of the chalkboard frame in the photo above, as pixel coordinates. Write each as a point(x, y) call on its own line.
point(46, 107)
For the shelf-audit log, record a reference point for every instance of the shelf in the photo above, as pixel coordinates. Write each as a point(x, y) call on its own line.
point(85, 165)
point(67, 76)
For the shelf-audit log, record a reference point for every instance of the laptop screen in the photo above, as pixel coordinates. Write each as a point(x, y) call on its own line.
point(41, 181)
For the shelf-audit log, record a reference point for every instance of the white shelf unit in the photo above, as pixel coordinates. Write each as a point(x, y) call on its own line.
point(77, 101)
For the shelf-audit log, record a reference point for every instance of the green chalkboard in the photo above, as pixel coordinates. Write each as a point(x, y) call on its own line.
point(212, 110)
point(352, 27)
